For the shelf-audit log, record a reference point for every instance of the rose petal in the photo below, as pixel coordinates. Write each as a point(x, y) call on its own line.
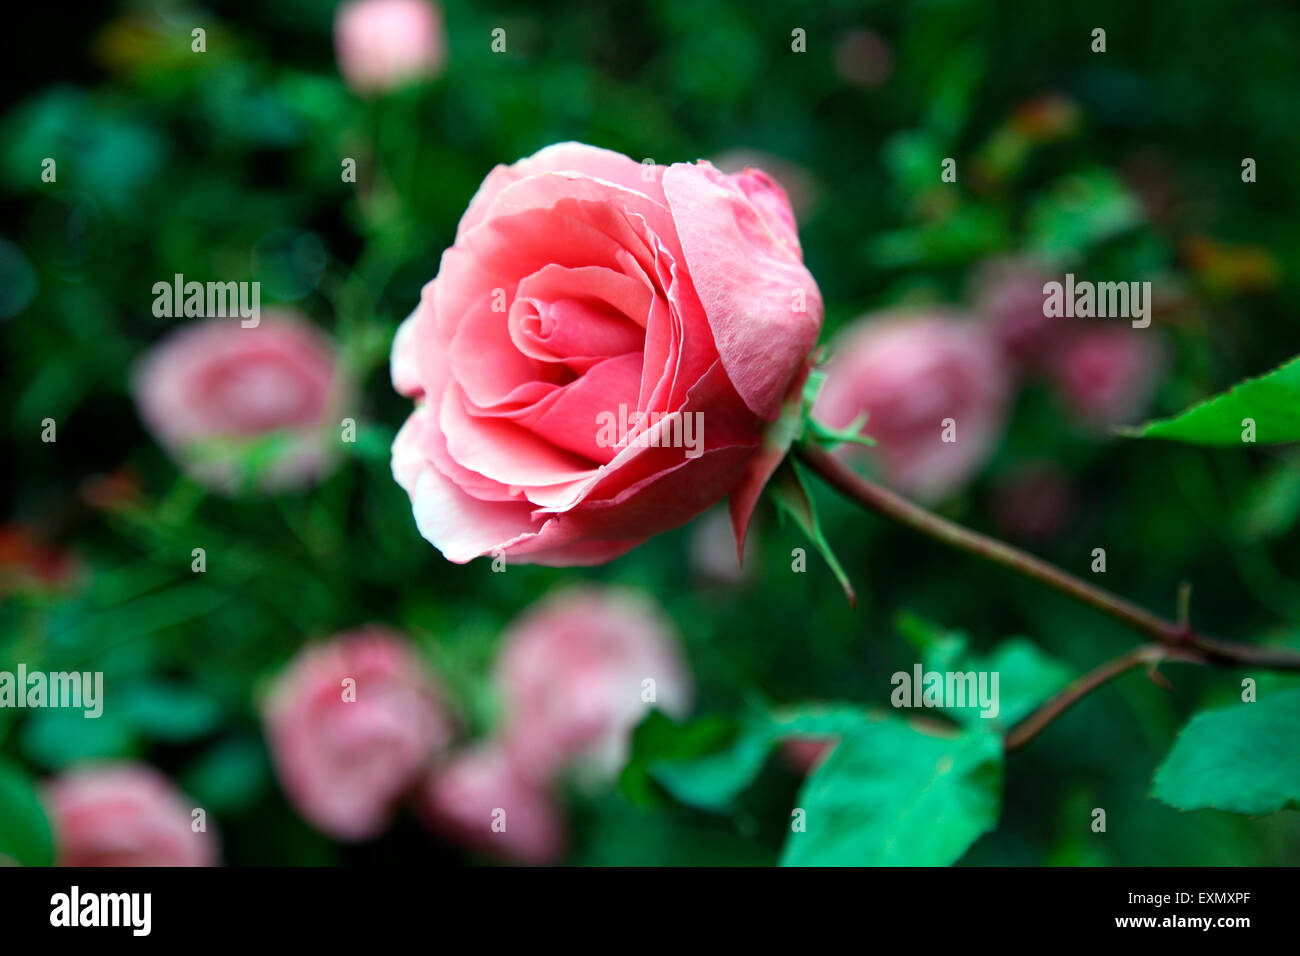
point(750, 283)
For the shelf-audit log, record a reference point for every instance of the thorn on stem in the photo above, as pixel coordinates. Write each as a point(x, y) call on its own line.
point(1185, 605)
point(1157, 678)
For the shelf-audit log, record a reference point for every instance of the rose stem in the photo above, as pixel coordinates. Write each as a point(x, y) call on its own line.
point(1168, 633)
point(1080, 687)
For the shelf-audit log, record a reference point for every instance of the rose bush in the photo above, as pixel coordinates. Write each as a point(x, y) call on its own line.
point(581, 282)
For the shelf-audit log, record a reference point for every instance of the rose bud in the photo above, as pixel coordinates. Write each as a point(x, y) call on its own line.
point(352, 725)
point(863, 58)
point(600, 356)
point(384, 44)
point(1105, 375)
point(28, 563)
point(124, 814)
point(934, 390)
point(803, 755)
point(478, 799)
point(218, 396)
point(578, 672)
point(1009, 299)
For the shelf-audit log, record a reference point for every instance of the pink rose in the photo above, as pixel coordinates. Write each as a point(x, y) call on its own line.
point(798, 184)
point(1106, 375)
point(920, 379)
point(1009, 297)
point(382, 44)
point(480, 800)
point(578, 672)
point(351, 725)
point(805, 754)
point(599, 355)
point(863, 58)
point(124, 814)
point(213, 391)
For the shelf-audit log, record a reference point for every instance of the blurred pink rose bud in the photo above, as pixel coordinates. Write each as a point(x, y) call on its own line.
point(935, 390)
point(805, 754)
point(383, 44)
point(578, 672)
point(125, 814)
point(1106, 375)
point(27, 562)
point(601, 357)
point(1009, 299)
point(215, 393)
point(863, 58)
point(480, 800)
point(352, 725)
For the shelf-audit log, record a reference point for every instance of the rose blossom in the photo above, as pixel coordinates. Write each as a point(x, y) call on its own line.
point(799, 186)
point(479, 799)
point(573, 673)
point(1106, 375)
point(910, 373)
point(582, 283)
point(382, 44)
point(1009, 298)
point(124, 814)
point(212, 390)
point(351, 725)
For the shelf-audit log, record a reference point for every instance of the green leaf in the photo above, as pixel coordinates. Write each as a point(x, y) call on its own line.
point(817, 720)
point(1026, 678)
point(889, 795)
point(1080, 211)
point(25, 835)
point(1272, 507)
point(56, 739)
point(791, 495)
point(1025, 675)
point(715, 780)
point(230, 776)
point(940, 648)
point(168, 711)
point(1271, 401)
point(1245, 758)
point(659, 738)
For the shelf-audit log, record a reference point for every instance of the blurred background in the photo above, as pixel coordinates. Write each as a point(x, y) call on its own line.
point(227, 164)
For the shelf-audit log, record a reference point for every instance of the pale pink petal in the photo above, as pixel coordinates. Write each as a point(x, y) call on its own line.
point(569, 157)
point(762, 304)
